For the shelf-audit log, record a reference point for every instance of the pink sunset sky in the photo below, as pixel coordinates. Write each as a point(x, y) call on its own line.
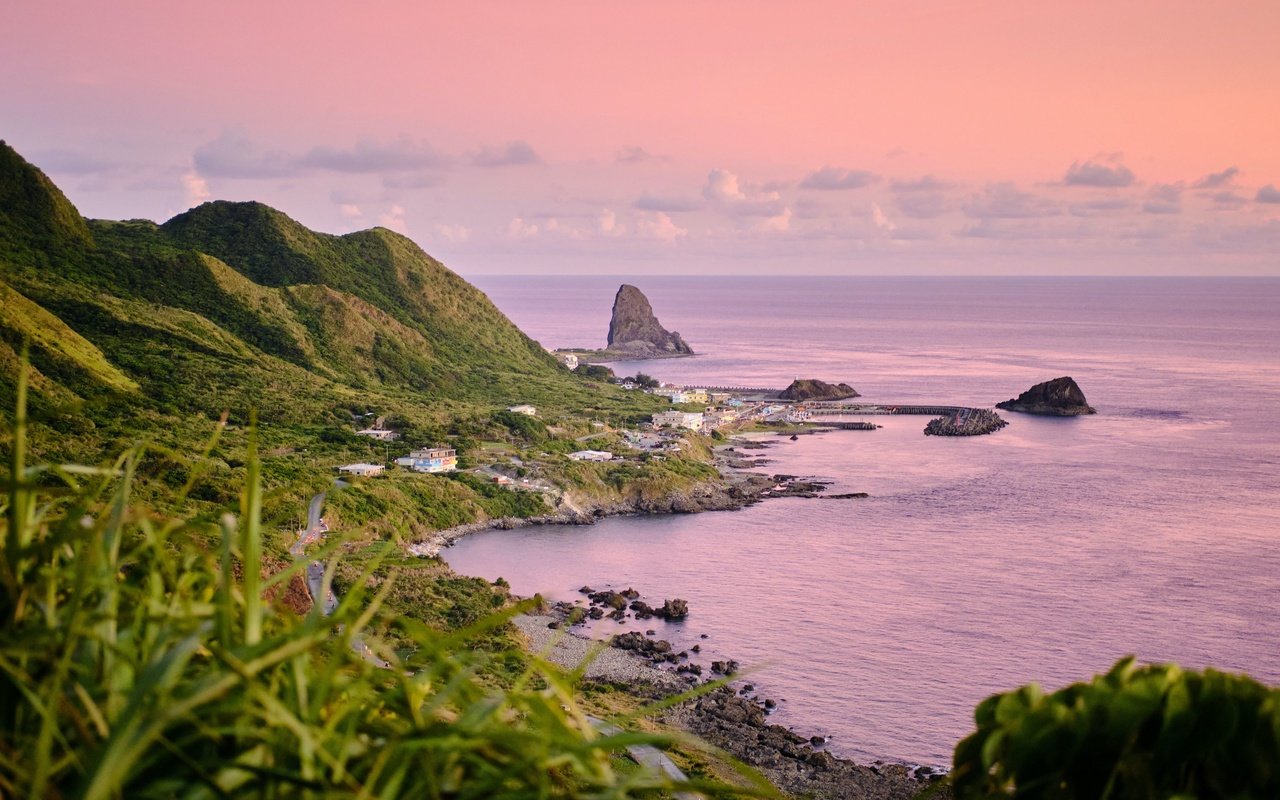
point(886, 137)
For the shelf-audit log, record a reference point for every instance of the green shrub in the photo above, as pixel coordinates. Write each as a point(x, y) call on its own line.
point(1135, 732)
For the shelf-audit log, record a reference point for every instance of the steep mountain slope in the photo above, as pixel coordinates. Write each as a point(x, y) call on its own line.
point(360, 311)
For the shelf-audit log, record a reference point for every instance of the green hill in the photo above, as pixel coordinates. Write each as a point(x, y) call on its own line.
point(138, 330)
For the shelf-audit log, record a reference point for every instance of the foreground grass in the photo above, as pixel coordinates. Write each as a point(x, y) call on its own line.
point(136, 661)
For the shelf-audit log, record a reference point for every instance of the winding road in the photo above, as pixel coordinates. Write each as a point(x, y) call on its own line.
point(645, 755)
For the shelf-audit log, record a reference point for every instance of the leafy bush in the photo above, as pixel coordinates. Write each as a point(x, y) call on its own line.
point(1135, 732)
point(522, 426)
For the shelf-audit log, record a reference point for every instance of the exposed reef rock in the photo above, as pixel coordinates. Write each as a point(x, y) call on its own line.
point(804, 389)
point(635, 331)
point(966, 422)
point(1060, 397)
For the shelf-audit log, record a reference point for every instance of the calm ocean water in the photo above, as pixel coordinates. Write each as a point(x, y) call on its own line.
point(1041, 553)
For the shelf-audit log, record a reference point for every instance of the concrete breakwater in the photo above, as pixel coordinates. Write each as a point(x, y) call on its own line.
point(965, 422)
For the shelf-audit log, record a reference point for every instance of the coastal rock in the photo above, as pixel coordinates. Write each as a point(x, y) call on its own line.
point(674, 609)
point(804, 389)
point(636, 331)
point(1060, 397)
point(966, 422)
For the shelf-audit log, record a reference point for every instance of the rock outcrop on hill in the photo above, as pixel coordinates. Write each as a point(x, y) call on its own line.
point(1060, 397)
point(635, 331)
point(802, 389)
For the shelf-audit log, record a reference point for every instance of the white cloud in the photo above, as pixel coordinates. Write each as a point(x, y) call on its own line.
point(657, 225)
point(778, 222)
point(722, 185)
point(451, 233)
point(394, 219)
point(196, 188)
point(350, 210)
point(607, 222)
point(517, 228)
point(881, 221)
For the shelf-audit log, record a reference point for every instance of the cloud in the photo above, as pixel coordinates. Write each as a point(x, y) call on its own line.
point(451, 233)
point(195, 187)
point(650, 202)
point(350, 210)
point(724, 189)
point(722, 185)
point(834, 179)
point(72, 162)
point(879, 219)
point(1228, 198)
point(1099, 208)
point(402, 155)
point(777, 223)
point(657, 225)
point(923, 205)
point(928, 183)
point(1164, 198)
point(1006, 201)
point(634, 155)
point(607, 222)
point(234, 155)
point(393, 219)
point(517, 228)
point(514, 154)
point(1216, 180)
point(1016, 231)
point(1091, 173)
point(1268, 194)
point(412, 180)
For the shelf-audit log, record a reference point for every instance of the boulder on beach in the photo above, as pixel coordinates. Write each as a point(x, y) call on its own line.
point(802, 389)
point(1060, 397)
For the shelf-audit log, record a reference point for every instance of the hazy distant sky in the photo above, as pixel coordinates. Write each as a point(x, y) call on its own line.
point(700, 136)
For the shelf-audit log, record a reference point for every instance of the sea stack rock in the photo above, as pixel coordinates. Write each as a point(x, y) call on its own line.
point(635, 331)
point(802, 389)
point(1060, 397)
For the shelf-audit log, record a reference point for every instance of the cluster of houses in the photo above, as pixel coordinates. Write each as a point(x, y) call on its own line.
point(726, 411)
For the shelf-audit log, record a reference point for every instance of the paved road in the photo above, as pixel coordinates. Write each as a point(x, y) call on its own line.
point(315, 530)
point(645, 755)
point(648, 756)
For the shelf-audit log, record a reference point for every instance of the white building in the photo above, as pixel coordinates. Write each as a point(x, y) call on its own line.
point(527, 410)
point(362, 470)
point(678, 419)
point(592, 455)
point(380, 434)
point(569, 360)
point(430, 459)
point(678, 395)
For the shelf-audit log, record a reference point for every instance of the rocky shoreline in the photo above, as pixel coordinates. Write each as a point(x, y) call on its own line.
point(731, 717)
point(737, 487)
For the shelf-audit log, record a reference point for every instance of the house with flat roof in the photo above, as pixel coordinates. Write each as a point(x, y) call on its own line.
point(381, 434)
point(591, 455)
point(430, 459)
point(678, 419)
point(361, 470)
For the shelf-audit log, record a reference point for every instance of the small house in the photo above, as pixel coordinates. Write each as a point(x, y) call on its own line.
point(381, 434)
point(361, 470)
point(527, 410)
point(591, 455)
point(430, 459)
